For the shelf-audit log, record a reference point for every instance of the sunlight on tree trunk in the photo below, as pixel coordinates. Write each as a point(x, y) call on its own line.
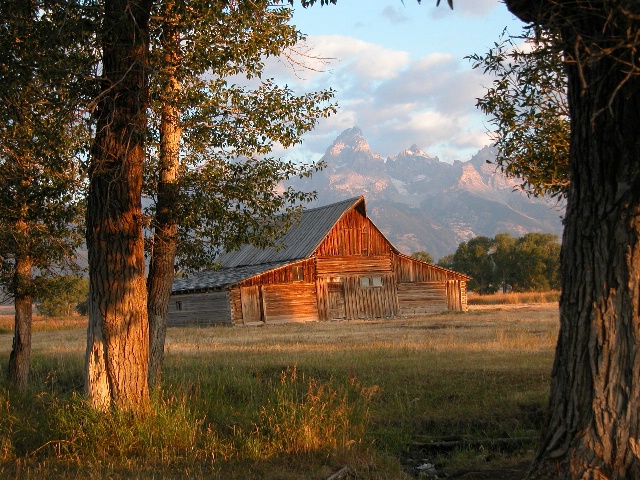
point(118, 334)
point(163, 256)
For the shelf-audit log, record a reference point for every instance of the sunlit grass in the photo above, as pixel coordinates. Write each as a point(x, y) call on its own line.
point(290, 401)
point(514, 298)
point(45, 324)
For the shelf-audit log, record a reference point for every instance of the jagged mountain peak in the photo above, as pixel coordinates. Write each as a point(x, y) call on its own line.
point(422, 203)
point(351, 140)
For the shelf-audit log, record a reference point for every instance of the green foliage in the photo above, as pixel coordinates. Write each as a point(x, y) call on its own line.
point(59, 296)
point(446, 261)
point(422, 256)
point(474, 259)
point(537, 260)
point(228, 184)
point(45, 60)
point(527, 105)
point(528, 263)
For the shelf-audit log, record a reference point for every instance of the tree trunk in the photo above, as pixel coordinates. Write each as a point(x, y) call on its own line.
point(18, 372)
point(161, 269)
point(593, 419)
point(118, 333)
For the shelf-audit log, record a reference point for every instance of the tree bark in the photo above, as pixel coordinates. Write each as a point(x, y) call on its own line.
point(161, 269)
point(116, 362)
point(593, 419)
point(19, 359)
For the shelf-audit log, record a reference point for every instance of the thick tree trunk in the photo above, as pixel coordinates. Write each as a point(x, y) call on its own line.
point(161, 270)
point(18, 373)
point(593, 419)
point(118, 334)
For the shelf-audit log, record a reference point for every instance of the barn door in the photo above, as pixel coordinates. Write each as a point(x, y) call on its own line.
point(251, 304)
point(337, 307)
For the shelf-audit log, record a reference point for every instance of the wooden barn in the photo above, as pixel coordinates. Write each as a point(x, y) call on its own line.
point(333, 265)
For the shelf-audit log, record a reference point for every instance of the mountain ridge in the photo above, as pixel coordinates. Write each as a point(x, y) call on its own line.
point(422, 203)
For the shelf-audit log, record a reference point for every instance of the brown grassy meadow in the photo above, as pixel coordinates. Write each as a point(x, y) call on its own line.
point(295, 401)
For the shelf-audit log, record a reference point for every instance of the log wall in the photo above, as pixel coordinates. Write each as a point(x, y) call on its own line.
point(424, 298)
point(210, 308)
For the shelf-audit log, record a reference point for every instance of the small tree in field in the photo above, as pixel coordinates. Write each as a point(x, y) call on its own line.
point(60, 296)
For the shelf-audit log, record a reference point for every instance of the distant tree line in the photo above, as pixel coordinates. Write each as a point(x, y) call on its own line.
point(505, 263)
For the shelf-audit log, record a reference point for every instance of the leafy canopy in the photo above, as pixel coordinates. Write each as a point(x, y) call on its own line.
point(45, 61)
point(527, 106)
point(528, 263)
point(230, 119)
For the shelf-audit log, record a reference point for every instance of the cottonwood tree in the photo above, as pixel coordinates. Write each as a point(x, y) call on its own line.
point(592, 424)
point(504, 261)
point(116, 362)
point(43, 67)
point(474, 259)
point(536, 261)
point(527, 106)
point(528, 263)
point(212, 184)
point(60, 295)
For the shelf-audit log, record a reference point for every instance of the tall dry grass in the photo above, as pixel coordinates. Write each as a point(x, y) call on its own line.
point(515, 298)
point(289, 401)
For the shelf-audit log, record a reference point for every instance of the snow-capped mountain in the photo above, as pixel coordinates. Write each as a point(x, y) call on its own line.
point(422, 203)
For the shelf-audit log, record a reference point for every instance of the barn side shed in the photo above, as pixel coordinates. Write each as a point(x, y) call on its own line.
point(334, 264)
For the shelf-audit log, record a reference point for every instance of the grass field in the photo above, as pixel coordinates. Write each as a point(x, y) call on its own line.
point(297, 401)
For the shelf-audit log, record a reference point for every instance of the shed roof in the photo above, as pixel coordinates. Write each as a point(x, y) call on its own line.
point(300, 241)
point(211, 278)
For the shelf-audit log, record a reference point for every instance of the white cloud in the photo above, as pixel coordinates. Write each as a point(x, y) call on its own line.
point(359, 58)
point(396, 100)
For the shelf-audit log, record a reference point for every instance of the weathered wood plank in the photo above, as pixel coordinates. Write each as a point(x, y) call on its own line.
point(353, 265)
point(422, 298)
point(199, 309)
point(290, 303)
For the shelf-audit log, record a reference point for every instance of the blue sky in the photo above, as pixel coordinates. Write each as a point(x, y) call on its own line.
point(399, 72)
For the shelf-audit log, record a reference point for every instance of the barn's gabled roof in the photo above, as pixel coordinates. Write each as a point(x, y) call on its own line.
point(300, 241)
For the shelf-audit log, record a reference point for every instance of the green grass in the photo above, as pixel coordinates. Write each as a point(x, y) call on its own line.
point(293, 401)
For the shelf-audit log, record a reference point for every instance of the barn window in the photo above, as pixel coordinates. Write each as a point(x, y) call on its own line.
point(178, 305)
point(297, 273)
point(366, 282)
